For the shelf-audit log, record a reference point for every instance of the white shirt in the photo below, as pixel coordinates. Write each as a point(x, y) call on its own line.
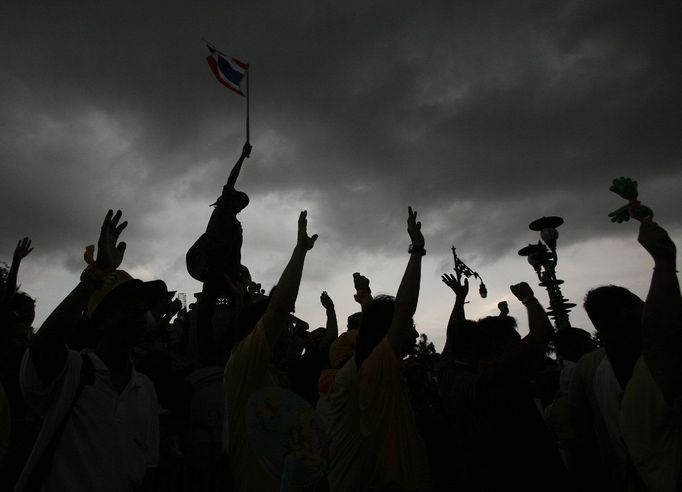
point(608, 394)
point(652, 430)
point(110, 439)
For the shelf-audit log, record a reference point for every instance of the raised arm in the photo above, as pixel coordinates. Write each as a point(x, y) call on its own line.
point(332, 328)
point(48, 349)
point(540, 328)
point(401, 333)
point(284, 297)
point(457, 318)
point(20, 252)
point(234, 174)
point(662, 317)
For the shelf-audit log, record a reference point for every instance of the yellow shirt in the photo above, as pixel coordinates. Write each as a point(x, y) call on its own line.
point(247, 371)
point(397, 451)
point(347, 449)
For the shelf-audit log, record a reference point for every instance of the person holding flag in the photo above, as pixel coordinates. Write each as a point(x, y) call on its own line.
point(215, 258)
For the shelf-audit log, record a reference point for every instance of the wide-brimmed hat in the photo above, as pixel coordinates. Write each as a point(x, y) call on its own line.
point(119, 286)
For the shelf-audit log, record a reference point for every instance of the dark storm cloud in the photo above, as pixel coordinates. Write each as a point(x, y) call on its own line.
point(482, 115)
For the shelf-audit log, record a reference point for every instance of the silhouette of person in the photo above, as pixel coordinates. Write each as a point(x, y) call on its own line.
point(217, 253)
point(100, 416)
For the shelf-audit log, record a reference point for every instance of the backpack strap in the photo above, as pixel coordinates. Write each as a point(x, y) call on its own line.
point(44, 464)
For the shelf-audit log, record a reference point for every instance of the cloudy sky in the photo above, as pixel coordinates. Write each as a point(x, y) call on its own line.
point(481, 115)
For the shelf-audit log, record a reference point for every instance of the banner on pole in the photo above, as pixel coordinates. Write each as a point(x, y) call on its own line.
point(228, 70)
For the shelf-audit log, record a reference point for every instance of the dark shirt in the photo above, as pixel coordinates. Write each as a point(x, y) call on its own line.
point(500, 439)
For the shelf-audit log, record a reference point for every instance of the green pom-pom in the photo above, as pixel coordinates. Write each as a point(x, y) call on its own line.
point(621, 215)
point(625, 187)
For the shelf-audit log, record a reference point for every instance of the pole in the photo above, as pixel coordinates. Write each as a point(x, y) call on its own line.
point(248, 95)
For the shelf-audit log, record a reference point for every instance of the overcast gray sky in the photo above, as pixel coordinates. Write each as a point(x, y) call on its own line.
point(481, 115)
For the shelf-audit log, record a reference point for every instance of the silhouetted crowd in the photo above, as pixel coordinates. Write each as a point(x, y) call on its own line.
point(124, 387)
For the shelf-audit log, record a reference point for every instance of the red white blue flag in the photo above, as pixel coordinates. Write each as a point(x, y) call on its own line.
point(229, 71)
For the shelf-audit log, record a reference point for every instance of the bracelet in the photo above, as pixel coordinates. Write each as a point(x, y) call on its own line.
point(416, 249)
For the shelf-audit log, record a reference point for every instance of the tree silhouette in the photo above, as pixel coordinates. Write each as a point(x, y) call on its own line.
point(4, 271)
point(423, 351)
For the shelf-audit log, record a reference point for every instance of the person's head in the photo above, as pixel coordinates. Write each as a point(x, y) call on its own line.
point(354, 321)
point(298, 327)
point(313, 339)
point(249, 317)
point(343, 348)
point(616, 314)
point(376, 320)
point(244, 275)
point(465, 348)
point(292, 341)
point(572, 343)
point(121, 309)
point(22, 308)
point(493, 336)
point(237, 202)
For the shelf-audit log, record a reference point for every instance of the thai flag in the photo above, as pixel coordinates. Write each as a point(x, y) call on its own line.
point(229, 71)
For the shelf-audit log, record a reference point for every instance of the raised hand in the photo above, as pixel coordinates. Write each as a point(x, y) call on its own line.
point(522, 291)
point(360, 282)
point(326, 301)
point(414, 228)
point(503, 307)
point(109, 253)
point(22, 250)
point(656, 241)
point(304, 241)
point(461, 289)
point(246, 150)
point(363, 292)
point(640, 212)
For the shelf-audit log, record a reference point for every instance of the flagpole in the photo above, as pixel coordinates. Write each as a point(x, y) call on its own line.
point(248, 94)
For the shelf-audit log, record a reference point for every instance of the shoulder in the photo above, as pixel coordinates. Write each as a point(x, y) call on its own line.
point(249, 360)
point(42, 397)
point(347, 374)
point(28, 377)
point(382, 356)
point(589, 362)
point(144, 384)
point(581, 385)
point(345, 383)
point(252, 344)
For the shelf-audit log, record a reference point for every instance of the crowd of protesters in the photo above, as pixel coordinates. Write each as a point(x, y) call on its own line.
point(125, 388)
